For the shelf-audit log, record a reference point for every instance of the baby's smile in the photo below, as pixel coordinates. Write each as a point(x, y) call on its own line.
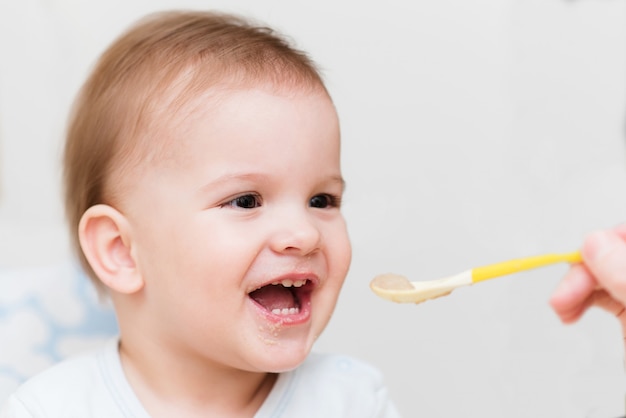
point(286, 300)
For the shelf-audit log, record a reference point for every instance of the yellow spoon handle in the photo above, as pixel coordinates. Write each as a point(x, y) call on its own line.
point(520, 264)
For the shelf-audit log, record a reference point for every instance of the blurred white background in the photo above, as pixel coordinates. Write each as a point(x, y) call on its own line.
point(474, 131)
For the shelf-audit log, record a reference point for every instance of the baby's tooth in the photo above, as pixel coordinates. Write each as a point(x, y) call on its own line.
point(286, 311)
point(287, 283)
point(299, 283)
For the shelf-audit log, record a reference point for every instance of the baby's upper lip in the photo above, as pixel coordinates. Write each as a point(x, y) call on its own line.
point(293, 277)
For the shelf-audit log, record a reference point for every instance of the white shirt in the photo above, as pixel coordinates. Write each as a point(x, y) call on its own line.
point(94, 386)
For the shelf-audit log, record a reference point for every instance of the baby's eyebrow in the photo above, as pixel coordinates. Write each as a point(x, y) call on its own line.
point(340, 180)
point(259, 178)
point(229, 177)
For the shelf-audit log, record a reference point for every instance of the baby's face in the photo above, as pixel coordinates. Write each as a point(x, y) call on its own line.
point(240, 239)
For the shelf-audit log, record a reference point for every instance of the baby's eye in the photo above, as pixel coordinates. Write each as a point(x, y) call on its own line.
point(246, 201)
point(323, 201)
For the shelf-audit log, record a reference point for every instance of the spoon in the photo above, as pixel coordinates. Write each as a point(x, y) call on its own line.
point(397, 288)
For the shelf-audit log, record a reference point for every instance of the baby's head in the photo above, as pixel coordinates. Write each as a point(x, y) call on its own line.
point(145, 79)
point(203, 189)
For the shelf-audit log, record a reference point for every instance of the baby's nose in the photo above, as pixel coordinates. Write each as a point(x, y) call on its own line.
point(296, 232)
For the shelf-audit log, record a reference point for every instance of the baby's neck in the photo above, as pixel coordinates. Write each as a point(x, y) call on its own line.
point(179, 389)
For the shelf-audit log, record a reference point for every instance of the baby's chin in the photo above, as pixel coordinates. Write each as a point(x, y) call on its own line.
point(282, 358)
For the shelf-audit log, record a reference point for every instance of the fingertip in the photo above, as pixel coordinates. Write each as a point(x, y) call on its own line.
point(567, 312)
point(604, 253)
point(568, 299)
point(561, 294)
point(598, 244)
point(621, 231)
point(577, 281)
point(570, 319)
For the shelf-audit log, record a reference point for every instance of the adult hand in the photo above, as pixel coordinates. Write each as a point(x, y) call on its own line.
point(599, 281)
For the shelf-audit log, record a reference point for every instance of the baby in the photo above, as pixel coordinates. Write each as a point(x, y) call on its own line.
point(203, 189)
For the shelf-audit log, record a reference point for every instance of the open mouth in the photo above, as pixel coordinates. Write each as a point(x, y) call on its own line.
point(283, 297)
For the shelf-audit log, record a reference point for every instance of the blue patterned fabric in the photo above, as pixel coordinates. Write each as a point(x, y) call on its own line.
point(47, 314)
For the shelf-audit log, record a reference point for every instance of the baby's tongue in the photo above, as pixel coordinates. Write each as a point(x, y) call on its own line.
point(274, 297)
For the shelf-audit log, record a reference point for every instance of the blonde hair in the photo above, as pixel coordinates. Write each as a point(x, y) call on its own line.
point(168, 57)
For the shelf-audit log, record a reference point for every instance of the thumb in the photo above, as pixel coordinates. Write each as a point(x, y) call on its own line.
point(604, 253)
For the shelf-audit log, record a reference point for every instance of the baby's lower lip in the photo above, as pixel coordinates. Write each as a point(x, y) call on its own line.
point(301, 316)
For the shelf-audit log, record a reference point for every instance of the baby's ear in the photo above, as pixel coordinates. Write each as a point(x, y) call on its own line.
point(106, 239)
